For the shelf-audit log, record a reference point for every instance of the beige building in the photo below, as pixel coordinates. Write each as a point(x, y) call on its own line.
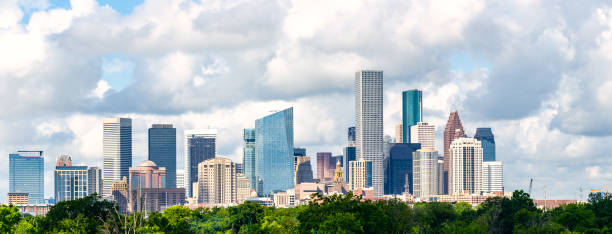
point(303, 170)
point(424, 134)
point(399, 133)
point(465, 166)
point(426, 179)
point(217, 181)
point(18, 199)
point(119, 192)
point(243, 188)
point(284, 199)
point(360, 174)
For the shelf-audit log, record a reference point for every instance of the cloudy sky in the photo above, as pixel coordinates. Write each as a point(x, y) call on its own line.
point(537, 72)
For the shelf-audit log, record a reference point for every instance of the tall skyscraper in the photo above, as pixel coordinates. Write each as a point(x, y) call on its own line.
point(352, 135)
point(369, 121)
point(412, 111)
point(325, 166)
point(399, 133)
point(26, 175)
point(94, 181)
point(303, 170)
point(200, 145)
point(426, 177)
point(162, 150)
point(249, 156)
point(217, 181)
point(450, 134)
point(350, 153)
point(274, 152)
point(117, 150)
point(424, 134)
point(360, 174)
point(398, 168)
point(71, 182)
point(492, 176)
point(299, 152)
point(485, 135)
point(466, 166)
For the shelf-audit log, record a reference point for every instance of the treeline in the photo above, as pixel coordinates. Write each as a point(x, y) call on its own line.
point(333, 214)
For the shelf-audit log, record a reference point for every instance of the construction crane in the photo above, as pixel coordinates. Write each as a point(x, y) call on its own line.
point(530, 186)
point(601, 190)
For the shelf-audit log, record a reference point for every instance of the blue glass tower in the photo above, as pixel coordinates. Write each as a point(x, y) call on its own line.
point(249, 156)
point(412, 111)
point(485, 135)
point(26, 175)
point(349, 155)
point(71, 183)
point(398, 168)
point(162, 150)
point(274, 152)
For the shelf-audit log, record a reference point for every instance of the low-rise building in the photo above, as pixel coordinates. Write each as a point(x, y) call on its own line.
point(18, 199)
point(285, 199)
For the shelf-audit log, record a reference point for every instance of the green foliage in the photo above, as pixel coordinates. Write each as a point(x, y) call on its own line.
point(9, 217)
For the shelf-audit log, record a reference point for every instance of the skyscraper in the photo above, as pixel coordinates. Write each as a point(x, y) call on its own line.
point(217, 181)
point(94, 181)
point(360, 174)
point(26, 175)
point(117, 150)
point(424, 134)
point(162, 150)
point(200, 145)
point(399, 133)
point(412, 111)
point(325, 166)
point(369, 121)
point(249, 156)
point(492, 176)
point(398, 168)
point(274, 152)
point(303, 170)
point(351, 134)
point(465, 172)
point(485, 135)
point(350, 153)
point(299, 152)
point(450, 134)
point(426, 177)
point(71, 182)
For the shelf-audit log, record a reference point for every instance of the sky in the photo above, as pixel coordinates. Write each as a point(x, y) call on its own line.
point(537, 72)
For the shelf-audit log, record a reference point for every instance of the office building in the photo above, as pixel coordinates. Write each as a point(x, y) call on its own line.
point(485, 135)
point(239, 168)
point(412, 111)
point(180, 178)
point(452, 131)
point(217, 181)
point(284, 199)
point(299, 152)
point(424, 134)
point(117, 148)
point(398, 168)
point(162, 150)
point(94, 181)
point(157, 199)
point(248, 158)
point(325, 166)
point(147, 175)
point(360, 174)
point(399, 133)
point(352, 135)
point(18, 199)
point(243, 188)
point(119, 193)
point(426, 173)
point(71, 182)
point(26, 175)
point(303, 170)
point(465, 172)
point(369, 121)
point(200, 145)
point(492, 176)
point(274, 152)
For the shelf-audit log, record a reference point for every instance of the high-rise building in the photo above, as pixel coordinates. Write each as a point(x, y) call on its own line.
point(349, 155)
point(147, 189)
point(243, 188)
point(360, 174)
point(117, 147)
point(299, 152)
point(450, 134)
point(369, 121)
point(424, 134)
point(274, 152)
point(94, 182)
point(398, 168)
point(180, 178)
point(352, 135)
point(162, 150)
point(249, 156)
point(465, 172)
point(217, 181)
point(426, 173)
point(200, 145)
point(26, 175)
point(485, 135)
point(325, 166)
point(119, 193)
point(147, 175)
point(70, 181)
point(492, 176)
point(399, 133)
point(303, 170)
point(239, 168)
point(412, 111)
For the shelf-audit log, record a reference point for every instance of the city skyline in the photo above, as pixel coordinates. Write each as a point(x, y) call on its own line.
point(57, 88)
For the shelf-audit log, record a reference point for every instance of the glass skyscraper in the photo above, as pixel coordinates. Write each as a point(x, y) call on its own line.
point(94, 183)
point(349, 155)
point(412, 111)
point(274, 152)
point(117, 147)
point(162, 150)
point(26, 175)
point(398, 168)
point(485, 135)
point(200, 145)
point(248, 158)
point(71, 182)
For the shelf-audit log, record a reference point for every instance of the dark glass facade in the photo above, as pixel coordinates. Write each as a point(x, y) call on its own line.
point(200, 149)
point(412, 111)
point(398, 168)
point(26, 175)
point(351, 134)
point(349, 155)
point(485, 135)
point(249, 156)
point(162, 150)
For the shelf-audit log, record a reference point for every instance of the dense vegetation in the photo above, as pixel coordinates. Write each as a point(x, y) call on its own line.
point(334, 214)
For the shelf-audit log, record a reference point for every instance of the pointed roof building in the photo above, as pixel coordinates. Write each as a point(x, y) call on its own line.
point(453, 130)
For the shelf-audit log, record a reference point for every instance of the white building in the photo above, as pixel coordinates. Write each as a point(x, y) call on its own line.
point(492, 176)
point(203, 144)
point(426, 178)
point(284, 199)
point(465, 166)
point(217, 181)
point(423, 133)
point(117, 150)
point(369, 123)
point(180, 178)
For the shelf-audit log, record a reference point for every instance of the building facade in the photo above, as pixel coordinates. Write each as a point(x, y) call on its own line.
point(162, 150)
point(369, 121)
point(412, 111)
point(94, 181)
point(424, 134)
point(249, 156)
point(243, 188)
point(26, 175)
point(303, 171)
point(360, 174)
point(18, 199)
point(466, 166)
point(492, 176)
point(485, 135)
point(325, 166)
point(71, 182)
point(450, 134)
point(398, 168)
point(119, 193)
point(117, 148)
point(200, 145)
point(180, 178)
point(426, 173)
point(147, 175)
point(274, 152)
point(399, 133)
point(217, 181)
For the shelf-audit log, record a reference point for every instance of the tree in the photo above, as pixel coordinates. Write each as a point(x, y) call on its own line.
point(341, 223)
point(9, 217)
point(178, 219)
